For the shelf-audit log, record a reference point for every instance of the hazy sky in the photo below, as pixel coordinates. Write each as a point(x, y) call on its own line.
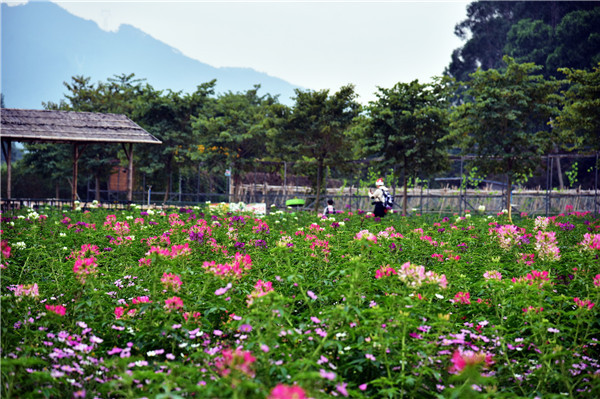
point(313, 44)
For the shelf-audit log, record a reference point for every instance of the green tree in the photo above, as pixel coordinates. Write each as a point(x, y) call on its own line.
point(529, 31)
point(505, 125)
point(577, 41)
point(407, 126)
point(316, 130)
point(579, 118)
point(169, 117)
point(232, 134)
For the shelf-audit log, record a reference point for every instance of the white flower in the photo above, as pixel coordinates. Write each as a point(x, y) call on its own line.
point(20, 245)
point(128, 217)
point(62, 234)
point(481, 208)
point(468, 215)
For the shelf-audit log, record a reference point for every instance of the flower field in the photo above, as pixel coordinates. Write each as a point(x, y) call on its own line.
point(178, 303)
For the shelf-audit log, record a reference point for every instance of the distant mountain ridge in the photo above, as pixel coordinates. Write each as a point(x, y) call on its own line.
point(43, 46)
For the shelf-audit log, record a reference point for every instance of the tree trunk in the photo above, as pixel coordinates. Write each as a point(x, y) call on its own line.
point(405, 195)
point(97, 182)
point(561, 184)
point(168, 186)
point(508, 195)
point(319, 175)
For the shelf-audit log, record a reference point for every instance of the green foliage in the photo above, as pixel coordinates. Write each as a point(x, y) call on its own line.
point(232, 133)
point(407, 127)
point(579, 119)
point(572, 175)
point(552, 34)
point(506, 124)
point(316, 129)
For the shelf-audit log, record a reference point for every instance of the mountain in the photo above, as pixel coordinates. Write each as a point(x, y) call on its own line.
point(43, 46)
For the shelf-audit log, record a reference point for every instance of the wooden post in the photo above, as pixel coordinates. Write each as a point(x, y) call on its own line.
point(74, 181)
point(7, 149)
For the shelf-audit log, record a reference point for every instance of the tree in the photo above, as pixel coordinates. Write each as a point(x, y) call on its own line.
point(169, 117)
point(579, 118)
point(529, 31)
point(505, 125)
point(407, 125)
point(316, 130)
point(232, 134)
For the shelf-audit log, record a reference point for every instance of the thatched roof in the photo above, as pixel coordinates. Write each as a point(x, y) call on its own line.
point(71, 127)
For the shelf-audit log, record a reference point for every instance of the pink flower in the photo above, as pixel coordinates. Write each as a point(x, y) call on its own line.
point(261, 288)
point(462, 359)
point(173, 303)
point(328, 375)
point(29, 290)
point(4, 249)
point(84, 267)
point(584, 303)
point(221, 291)
point(492, 275)
point(238, 360)
point(58, 309)
point(282, 391)
point(462, 297)
point(341, 388)
point(597, 281)
point(312, 295)
point(385, 271)
point(119, 312)
point(171, 281)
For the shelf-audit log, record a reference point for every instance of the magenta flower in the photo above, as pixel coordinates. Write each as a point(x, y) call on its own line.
point(462, 297)
point(462, 359)
point(173, 303)
point(58, 309)
point(235, 360)
point(171, 281)
point(282, 391)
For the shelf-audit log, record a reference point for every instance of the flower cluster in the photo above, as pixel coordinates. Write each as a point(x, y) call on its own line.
point(261, 288)
point(171, 281)
point(236, 268)
point(546, 246)
point(237, 360)
point(590, 242)
point(415, 276)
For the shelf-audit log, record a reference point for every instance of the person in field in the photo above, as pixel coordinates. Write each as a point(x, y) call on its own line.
point(329, 209)
point(379, 198)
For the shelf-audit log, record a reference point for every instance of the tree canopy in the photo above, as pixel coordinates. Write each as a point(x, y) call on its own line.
point(506, 123)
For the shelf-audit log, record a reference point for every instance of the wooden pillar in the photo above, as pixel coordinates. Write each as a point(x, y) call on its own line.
point(7, 149)
point(76, 154)
point(74, 181)
point(130, 174)
point(129, 154)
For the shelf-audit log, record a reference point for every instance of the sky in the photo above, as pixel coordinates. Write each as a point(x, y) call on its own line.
point(312, 44)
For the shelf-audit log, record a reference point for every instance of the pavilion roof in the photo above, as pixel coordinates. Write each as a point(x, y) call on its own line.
point(71, 127)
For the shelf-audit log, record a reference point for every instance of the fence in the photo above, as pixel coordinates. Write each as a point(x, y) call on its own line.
point(273, 184)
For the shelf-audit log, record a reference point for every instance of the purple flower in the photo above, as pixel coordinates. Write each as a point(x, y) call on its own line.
point(328, 375)
point(245, 328)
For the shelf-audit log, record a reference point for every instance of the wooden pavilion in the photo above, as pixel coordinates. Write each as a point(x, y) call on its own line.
point(77, 128)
